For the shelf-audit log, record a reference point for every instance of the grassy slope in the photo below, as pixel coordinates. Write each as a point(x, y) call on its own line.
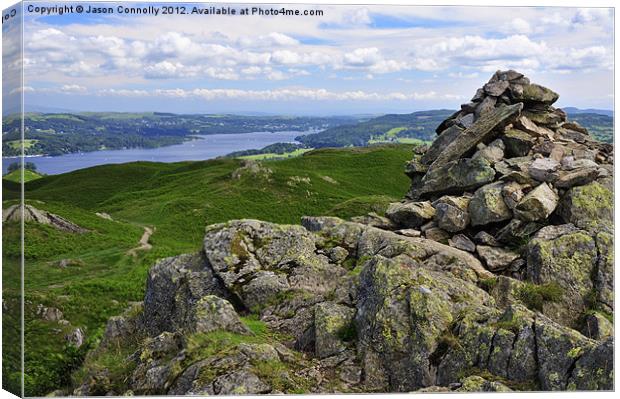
point(178, 199)
point(16, 177)
point(273, 155)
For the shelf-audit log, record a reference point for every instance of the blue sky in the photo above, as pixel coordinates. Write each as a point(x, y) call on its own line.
point(354, 59)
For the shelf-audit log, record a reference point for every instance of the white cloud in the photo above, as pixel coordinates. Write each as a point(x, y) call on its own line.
point(538, 41)
point(461, 75)
point(515, 51)
point(519, 25)
point(272, 39)
point(286, 57)
point(72, 89)
point(359, 16)
point(123, 92)
point(164, 69)
point(362, 57)
point(590, 15)
point(24, 89)
point(282, 94)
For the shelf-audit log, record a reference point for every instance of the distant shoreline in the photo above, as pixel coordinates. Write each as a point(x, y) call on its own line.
point(200, 148)
point(187, 140)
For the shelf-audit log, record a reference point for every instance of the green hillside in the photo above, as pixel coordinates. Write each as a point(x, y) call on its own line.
point(178, 200)
point(16, 176)
point(418, 125)
point(599, 126)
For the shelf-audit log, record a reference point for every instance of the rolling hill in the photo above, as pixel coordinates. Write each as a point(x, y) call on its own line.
point(418, 125)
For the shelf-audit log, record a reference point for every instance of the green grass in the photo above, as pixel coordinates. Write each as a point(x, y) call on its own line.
point(273, 155)
point(534, 296)
point(16, 176)
point(398, 140)
point(15, 144)
point(394, 131)
point(179, 200)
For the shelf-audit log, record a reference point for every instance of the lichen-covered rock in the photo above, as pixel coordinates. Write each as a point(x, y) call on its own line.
point(569, 261)
point(593, 369)
point(517, 143)
point(604, 276)
point(577, 177)
point(542, 169)
point(554, 231)
point(528, 126)
point(588, 207)
point(492, 153)
point(410, 214)
point(558, 350)
point(483, 130)
point(488, 206)
point(462, 242)
point(437, 234)
point(597, 326)
point(538, 204)
point(240, 371)
point(409, 232)
point(402, 312)
point(76, 337)
point(454, 177)
point(451, 213)
point(332, 325)
point(445, 138)
point(496, 259)
point(128, 326)
point(476, 383)
point(375, 220)
point(484, 238)
point(213, 313)
point(512, 192)
point(533, 93)
point(496, 88)
point(503, 343)
point(154, 372)
point(257, 261)
point(49, 313)
point(242, 382)
point(173, 287)
point(517, 231)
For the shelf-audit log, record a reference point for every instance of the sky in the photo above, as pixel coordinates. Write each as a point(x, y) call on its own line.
point(350, 60)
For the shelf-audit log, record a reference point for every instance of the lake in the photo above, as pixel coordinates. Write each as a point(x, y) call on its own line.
point(206, 147)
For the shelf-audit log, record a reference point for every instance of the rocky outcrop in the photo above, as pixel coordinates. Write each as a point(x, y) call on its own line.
point(28, 213)
point(521, 167)
point(489, 276)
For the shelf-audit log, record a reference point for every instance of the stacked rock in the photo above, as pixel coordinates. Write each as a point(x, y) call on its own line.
point(503, 167)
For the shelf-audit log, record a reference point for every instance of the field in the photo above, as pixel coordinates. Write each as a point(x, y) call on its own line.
point(177, 200)
point(16, 177)
point(273, 155)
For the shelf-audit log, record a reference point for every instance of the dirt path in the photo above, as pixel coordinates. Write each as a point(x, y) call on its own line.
point(143, 244)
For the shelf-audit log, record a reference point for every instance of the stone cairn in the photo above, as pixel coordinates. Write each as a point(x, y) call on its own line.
point(503, 167)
